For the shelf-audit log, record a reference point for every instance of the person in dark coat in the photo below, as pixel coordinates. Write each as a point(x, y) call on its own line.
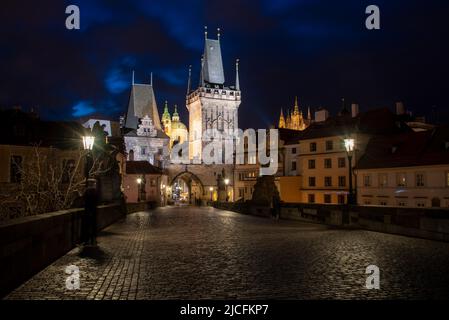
point(91, 215)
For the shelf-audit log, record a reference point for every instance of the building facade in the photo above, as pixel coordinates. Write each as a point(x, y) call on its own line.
point(213, 105)
point(407, 170)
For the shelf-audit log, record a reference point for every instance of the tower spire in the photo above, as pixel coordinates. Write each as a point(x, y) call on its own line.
point(189, 79)
point(202, 72)
point(218, 34)
point(151, 79)
point(296, 109)
point(237, 81)
point(133, 78)
point(205, 32)
point(281, 120)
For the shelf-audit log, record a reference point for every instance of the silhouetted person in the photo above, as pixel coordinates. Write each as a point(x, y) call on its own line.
point(91, 215)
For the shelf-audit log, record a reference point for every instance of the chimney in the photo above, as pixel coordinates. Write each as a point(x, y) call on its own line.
point(321, 115)
point(355, 110)
point(400, 110)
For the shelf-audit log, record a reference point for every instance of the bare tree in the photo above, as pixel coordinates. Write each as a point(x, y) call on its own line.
point(51, 180)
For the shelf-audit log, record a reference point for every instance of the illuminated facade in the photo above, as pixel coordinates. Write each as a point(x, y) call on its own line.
point(213, 105)
point(295, 119)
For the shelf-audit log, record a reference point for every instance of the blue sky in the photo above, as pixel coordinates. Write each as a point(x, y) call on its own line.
point(318, 50)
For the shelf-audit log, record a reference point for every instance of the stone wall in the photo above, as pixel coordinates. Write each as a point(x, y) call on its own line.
point(423, 223)
point(29, 244)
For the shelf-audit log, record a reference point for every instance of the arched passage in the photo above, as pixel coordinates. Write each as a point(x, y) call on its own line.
point(186, 187)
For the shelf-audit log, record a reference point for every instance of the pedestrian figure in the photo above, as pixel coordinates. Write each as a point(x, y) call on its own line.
point(90, 211)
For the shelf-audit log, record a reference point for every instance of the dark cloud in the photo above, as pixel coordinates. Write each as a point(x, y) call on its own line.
point(318, 50)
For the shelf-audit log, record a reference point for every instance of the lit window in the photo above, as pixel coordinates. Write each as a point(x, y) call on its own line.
point(401, 179)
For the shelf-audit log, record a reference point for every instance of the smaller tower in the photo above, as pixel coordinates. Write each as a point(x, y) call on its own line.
point(166, 121)
point(281, 120)
point(175, 117)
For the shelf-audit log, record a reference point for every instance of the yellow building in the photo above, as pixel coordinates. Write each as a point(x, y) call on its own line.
point(322, 160)
point(395, 172)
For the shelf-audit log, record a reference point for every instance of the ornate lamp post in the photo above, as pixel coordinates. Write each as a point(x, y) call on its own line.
point(349, 146)
point(226, 181)
point(211, 189)
point(90, 203)
point(88, 144)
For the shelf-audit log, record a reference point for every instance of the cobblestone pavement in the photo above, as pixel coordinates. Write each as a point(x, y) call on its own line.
point(200, 253)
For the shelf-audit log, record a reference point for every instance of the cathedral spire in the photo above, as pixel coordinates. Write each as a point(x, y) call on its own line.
point(296, 110)
point(151, 79)
point(237, 81)
point(281, 120)
point(133, 79)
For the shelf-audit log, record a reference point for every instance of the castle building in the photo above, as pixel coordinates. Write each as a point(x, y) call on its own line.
point(295, 120)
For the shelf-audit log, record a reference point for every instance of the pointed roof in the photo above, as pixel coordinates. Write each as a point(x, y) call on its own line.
point(142, 102)
point(213, 63)
point(296, 109)
point(175, 116)
point(166, 114)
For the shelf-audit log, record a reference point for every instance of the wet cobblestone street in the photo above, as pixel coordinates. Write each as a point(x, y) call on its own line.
point(205, 253)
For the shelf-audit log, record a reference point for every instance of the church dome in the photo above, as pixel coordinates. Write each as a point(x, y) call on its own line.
point(178, 125)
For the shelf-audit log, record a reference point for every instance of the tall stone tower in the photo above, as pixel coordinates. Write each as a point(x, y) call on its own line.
point(213, 105)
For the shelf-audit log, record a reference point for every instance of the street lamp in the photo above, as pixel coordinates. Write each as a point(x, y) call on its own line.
point(90, 202)
point(139, 180)
point(349, 146)
point(88, 142)
point(226, 181)
point(211, 189)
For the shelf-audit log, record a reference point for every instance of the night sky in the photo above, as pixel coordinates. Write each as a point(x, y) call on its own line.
point(318, 50)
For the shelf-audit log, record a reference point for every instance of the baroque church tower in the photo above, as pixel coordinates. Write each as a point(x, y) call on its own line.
point(213, 105)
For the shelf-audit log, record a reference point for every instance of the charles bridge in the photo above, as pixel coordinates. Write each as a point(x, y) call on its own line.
point(204, 252)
